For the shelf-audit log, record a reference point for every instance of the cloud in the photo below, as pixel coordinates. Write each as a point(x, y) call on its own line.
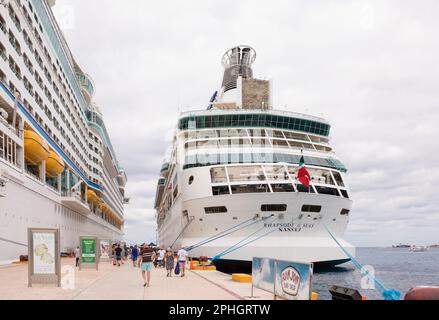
point(369, 67)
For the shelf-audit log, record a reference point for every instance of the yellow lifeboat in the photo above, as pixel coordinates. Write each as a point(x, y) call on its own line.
point(93, 197)
point(54, 165)
point(36, 149)
point(104, 208)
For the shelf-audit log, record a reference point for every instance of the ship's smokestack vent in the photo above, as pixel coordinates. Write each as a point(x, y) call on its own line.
point(237, 62)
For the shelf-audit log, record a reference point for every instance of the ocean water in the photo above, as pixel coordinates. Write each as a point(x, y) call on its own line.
point(395, 268)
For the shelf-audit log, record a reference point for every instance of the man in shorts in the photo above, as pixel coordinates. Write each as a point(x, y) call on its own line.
point(118, 252)
point(147, 255)
point(182, 260)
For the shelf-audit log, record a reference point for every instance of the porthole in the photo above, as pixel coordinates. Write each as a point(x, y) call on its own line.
point(191, 180)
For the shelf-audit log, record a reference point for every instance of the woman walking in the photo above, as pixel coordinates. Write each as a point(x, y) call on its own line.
point(148, 256)
point(169, 262)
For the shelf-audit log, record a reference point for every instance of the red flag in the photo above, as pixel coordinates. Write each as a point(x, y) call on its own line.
point(303, 175)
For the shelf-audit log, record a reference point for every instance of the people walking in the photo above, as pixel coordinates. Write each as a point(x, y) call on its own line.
point(148, 256)
point(113, 254)
point(125, 252)
point(182, 260)
point(169, 262)
point(77, 256)
point(118, 252)
point(134, 255)
point(160, 258)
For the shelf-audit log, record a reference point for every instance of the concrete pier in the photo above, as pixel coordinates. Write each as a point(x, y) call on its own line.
point(125, 283)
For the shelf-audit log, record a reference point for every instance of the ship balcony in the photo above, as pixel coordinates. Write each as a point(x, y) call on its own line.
point(75, 202)
point(165, 169)
point(87, 85)
point(122, 190)
point(6, 120)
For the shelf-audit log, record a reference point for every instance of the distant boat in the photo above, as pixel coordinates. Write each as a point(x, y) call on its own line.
point(401, 246)
point(418, 248)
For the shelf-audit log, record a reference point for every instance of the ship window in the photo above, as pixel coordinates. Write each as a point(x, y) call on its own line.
point(218, 175)
point(217, 191)
point(302, 188)
point(321, 176)
point(191, 180)
point(280, 143)
point(282, 187)
point(328, 191)
point(276, 173)
point(274, 207)
point(344, 193)
point(255, 120)
point(253, 188)
point(338, 178)
point(246, 173)
point(311, 208)
point(344, 212)
point(213, 210)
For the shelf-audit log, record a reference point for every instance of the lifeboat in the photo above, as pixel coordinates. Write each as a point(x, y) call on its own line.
point(104, 208)
point(36, 150)
point(93, 198)
point(54, 164)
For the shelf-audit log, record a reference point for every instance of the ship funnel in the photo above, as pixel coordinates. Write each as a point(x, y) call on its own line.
point(237, 62)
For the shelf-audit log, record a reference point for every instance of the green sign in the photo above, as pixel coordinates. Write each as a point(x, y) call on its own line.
point(88, 250)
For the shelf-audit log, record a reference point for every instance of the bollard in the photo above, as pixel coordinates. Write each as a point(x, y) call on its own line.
point(191, 267)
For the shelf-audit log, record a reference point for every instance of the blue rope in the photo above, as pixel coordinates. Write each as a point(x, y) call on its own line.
point(388, 294)
point(222, 234)
point(231, 249)
point(239, 247)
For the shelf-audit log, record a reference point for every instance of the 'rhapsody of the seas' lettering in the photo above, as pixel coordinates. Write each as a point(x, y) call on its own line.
point(289, 227)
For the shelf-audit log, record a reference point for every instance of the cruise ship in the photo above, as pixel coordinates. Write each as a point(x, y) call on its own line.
point(58, 168)
point(229, 188)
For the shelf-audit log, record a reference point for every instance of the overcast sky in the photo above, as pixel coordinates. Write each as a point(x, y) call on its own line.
point(370, 67)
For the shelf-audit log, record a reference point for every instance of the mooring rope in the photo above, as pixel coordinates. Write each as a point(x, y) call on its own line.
point(243, 245)
point(388, 294)
point(236, 245)
point(223, 233)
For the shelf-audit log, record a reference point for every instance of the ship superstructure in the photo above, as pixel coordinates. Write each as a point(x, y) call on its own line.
point(230, 191)
point(58, 168)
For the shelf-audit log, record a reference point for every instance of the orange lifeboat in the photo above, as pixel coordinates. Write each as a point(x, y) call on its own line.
point(104, 208)
point(92, 197)
point(54, 165)
point(36, 150)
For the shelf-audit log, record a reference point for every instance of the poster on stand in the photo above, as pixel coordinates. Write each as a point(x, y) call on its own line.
point(105, 249)
point(44, 256)
point(89, 252)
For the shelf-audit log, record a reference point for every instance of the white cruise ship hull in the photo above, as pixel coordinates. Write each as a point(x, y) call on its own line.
point(294, 238)
point(30, 204)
